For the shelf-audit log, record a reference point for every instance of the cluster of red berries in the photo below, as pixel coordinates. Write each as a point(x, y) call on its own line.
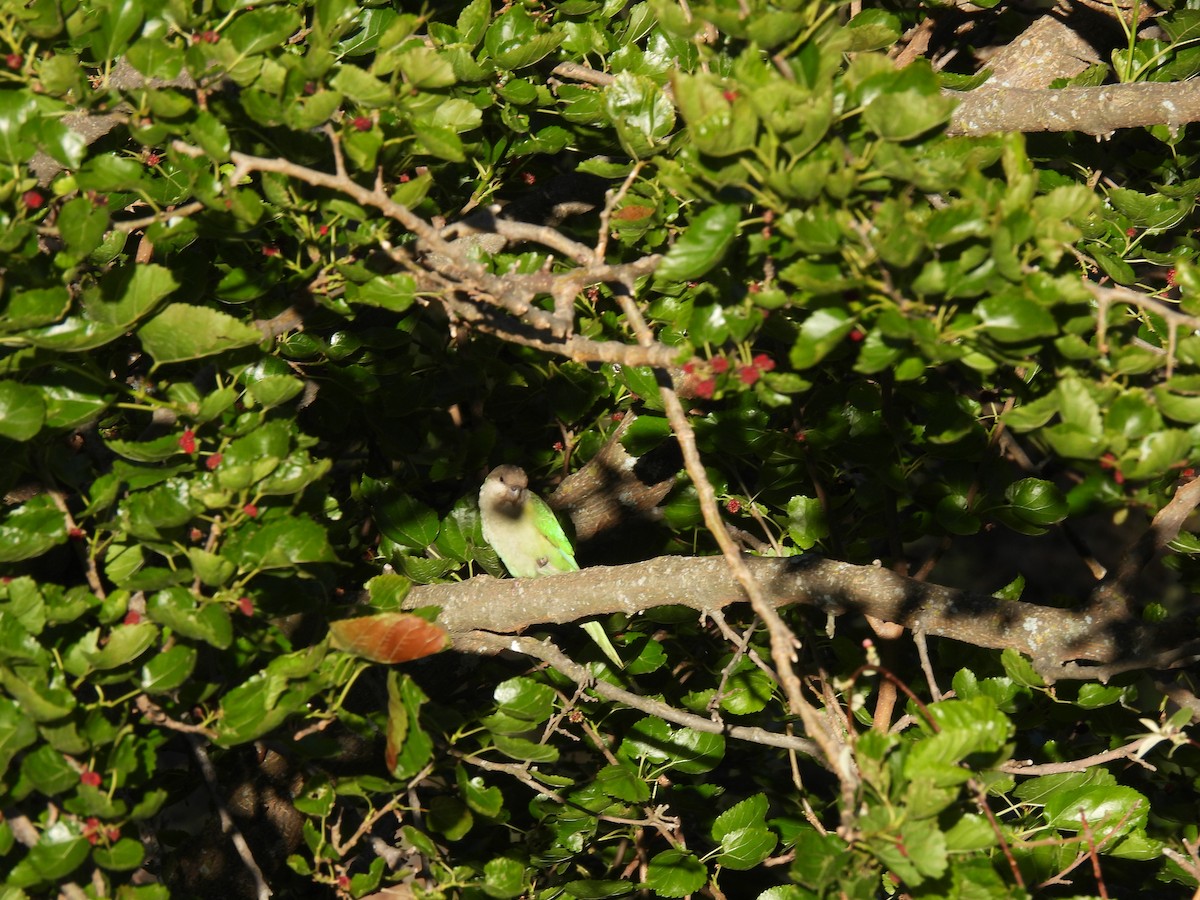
point(94, 831)
point(720, 366)
point(1108, 461)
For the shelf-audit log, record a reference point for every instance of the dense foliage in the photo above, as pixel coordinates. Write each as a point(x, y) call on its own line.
point(283, 280)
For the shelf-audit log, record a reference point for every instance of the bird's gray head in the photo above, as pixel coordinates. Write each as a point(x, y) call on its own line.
point(505, 490)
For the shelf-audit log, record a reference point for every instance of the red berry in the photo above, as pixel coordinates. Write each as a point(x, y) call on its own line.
point(749, 374)
point(1171, 277)
point(706, 388)
point(251, 510)
point(76, 534)
point(245, 606)
point(856, 335)
point(730, 96)
point(132, 617)
point(187, 441)
point(529, 178)
point(213, 461)
point(361, 123)
point(689, 368)
point(733, 505)
point(763, 363)
point(720, 365)
point(1189, 472)
point(90, 778)
point(153, 159)
point(270, 250)
point(558, 446)
point(405, 178)
point(14, 61)
point(210, 37)
point(1130, 232)
point(323, 230)
point(32, 200)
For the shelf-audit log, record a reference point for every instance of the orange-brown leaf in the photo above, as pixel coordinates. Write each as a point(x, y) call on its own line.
point(390, 637)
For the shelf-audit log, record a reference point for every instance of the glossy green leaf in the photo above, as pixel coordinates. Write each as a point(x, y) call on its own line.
point(22, 411)
point(675, 873)
point(642, 115)
point(702, 246)
point(265, 28)
point(182, 332)
point(168, 670)
point(30, 530)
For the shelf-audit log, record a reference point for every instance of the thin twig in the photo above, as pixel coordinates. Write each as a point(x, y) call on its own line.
point(610, 204)
point(783, 642)
point(1019, 767)
point(549, 653)
point(228, 826)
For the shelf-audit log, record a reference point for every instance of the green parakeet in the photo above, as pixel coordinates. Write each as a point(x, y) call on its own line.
point(528, 537)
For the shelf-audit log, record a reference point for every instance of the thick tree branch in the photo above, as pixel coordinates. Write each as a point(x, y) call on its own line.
point(1063, 643)
point(1091, 110)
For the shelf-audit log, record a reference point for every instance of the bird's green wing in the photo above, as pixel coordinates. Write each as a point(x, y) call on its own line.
point(563, 559)
point(548, 526)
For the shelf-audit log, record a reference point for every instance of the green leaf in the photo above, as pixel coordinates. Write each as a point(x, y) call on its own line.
point(1037, 501)
point(1013, 319)
point(513, 40)
point(59, 851)
point(807, 524)
point(30, 530)
point(702, 246)
point(119, 21)
point(182, 332)
point(675, 873)
point(17, 732)
point(425, 68)
point(525, 750)
point(125, 855)
point(749, 813)
point(124, 644)
point(745, 848)
point(486, 801)
point(503, 877)
point(180, 610)
point(1107, 809)
point(623, 782)
point(287, 542)
point(641, 113)
point(408, 745)
point(22, 411)
point(820, 333)
point(525, 699)
point(168, 670)
point(905, 103)
point(361, 87)
point(403, 519)
point(266, 28)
